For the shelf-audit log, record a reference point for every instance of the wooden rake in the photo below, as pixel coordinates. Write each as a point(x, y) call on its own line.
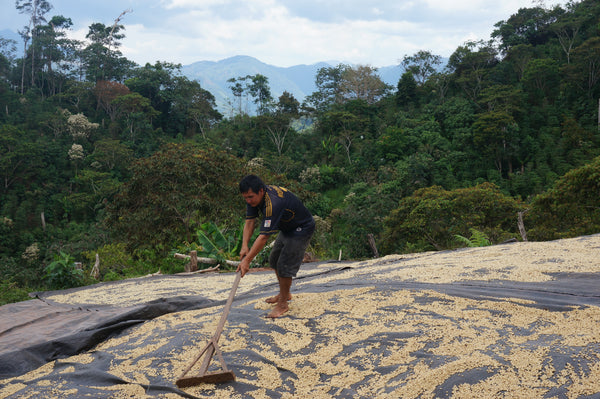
point(209, 350)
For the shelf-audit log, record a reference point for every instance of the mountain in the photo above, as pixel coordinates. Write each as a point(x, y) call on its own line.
point(298, 80)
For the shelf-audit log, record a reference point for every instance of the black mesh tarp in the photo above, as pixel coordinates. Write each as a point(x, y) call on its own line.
point(359, 330)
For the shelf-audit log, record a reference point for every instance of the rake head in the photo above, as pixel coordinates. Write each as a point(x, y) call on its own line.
point(210, 378)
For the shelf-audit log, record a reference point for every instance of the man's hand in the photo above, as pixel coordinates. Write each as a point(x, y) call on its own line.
point(248, 255)
point(243, 267)
point(244, 251)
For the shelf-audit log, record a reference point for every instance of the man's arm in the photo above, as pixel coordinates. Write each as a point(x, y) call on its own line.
point(249, 226)
point(258, 245)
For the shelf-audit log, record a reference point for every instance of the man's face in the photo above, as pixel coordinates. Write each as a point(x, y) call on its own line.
point(253, 199)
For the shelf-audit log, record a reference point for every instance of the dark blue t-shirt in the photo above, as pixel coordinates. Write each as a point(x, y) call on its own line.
point(282, 211)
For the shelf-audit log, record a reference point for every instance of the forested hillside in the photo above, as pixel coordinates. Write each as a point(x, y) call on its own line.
point(99, 155)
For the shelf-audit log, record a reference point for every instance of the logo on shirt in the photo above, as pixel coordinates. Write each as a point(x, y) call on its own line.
point(268, 223)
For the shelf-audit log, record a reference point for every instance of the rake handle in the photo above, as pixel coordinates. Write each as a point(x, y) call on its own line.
point(227, 307)
point(211, 346)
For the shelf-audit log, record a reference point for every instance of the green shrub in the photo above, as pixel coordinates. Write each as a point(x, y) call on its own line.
point(117, 262)
point(115, 259)
point(112, 276)
point(570, 208)
point(432, 217)
point(10, 292)
point(62, 272)
point(362, 212)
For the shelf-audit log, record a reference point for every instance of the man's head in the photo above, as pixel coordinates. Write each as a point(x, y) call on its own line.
point(252, 189)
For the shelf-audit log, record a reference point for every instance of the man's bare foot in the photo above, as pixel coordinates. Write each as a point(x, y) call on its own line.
point(279, 310)
point(275, 299)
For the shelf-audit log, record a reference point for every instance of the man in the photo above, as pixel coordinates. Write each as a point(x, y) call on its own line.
point(281, 212)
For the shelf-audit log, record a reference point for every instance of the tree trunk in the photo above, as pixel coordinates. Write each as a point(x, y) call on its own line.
point(521, 225)
point(372, 245)
point(95, 273)
point(23, 67)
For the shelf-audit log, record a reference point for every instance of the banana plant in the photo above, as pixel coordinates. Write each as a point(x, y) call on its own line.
point(478, 239)
point(220, 244)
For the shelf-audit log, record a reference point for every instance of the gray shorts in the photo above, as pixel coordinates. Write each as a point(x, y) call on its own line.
point(287, 254)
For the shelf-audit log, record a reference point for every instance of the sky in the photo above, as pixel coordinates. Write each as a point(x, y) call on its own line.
point(284, 32)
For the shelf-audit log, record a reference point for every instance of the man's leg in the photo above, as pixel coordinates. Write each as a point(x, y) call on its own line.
point(273, 260)
point(285, 283)
point(275, 299)
point(288, 261)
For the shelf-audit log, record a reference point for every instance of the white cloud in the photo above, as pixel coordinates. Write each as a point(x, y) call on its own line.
point(283, 40)
point(191, 4)
point(290, 32)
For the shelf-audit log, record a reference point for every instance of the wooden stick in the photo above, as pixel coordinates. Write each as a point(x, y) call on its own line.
point(209, 261)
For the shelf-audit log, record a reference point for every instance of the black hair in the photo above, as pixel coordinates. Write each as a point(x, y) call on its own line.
point(251, 182)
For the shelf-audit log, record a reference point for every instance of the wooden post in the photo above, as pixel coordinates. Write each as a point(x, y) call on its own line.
point(95, 273)
point(371, 240)
point(521, 225)
point(193, 265)
point(208, 261)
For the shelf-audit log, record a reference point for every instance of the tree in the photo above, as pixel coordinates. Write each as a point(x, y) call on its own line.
point(80, 127)
point(91, 190)
point(566, 31)
point(287, 105)
point(101, 61)
point(106, 92)
point(422, 65)
point(136, 111)
point(238, 90)
point(584, 70)
point(193, 104)
point(471, 63)
point(172, 192)
point(527, 26)
point(431, 217)
point(570, 208)
point(111, 156)
point(346, 126)
point(159, 83)
point(519, 56)
point(19, 157)
point(279, 124)
point(507, 98)
point(80, 95)
point(56, 54)
point(8, 49)
point(36, 9)
point(440, 84)
point(256, 86)
point(203, 111)
point(362, 83)
point(541, 78)
point(328, 82)
point(407, 90)
point(259, 89)
point(495, 134)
